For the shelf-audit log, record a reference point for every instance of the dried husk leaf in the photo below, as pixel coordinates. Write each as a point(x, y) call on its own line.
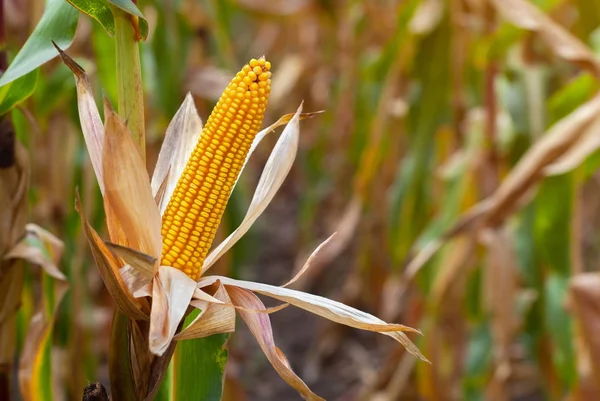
point(310, 260)
point(283, 120)
point(560, 139)
point(585, 302)
point(214, 318)
point(89, 116)
point(172, 292)
point(181, 138)
point(139, 270)
point(14, 180)
point(128, 195)
point(276, 169)
point(324, 307)
point(588, 144)
point(39, 247)
point(108, 266)
point(345, 229)
point(260, 326)
point(525, 15)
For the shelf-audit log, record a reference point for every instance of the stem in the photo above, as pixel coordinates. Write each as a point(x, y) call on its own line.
point(129, 77)
point(122, 384)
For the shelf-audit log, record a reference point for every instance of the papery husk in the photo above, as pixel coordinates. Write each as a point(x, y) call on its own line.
point(181, 138)
point(214, 318)
point(260, 326)
point(276, 169)
point(172, 292)
point(89, 116)
point(14, 181)
point(109, 266)
point(324, 307)
point(133, 218)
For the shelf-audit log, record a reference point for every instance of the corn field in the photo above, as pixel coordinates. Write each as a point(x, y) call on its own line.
point(181, 181)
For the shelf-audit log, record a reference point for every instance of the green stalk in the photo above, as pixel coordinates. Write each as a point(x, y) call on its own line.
point(129, 76)
point(131, 110)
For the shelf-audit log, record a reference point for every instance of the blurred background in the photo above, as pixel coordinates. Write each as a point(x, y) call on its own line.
point(456, 158)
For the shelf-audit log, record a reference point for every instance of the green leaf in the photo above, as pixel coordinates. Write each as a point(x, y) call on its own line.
point(129, 7)
point(17, 91)
point(197, 369)
point(58, 23)
point(98, 10)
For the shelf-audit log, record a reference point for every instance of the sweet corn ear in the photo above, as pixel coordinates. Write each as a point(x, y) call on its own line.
point(194, 212)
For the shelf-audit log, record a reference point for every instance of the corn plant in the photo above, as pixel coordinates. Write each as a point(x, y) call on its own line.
point(161, 229)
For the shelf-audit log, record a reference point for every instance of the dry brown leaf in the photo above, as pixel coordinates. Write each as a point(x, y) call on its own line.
point(518, 185)
point(318, 250)
point(128, 194)
point(274, 173)
point(585, 297)
point(344, 229)
point(213, 319)
point(89, 116)
point(180, 140)
point(324, 307)
point(588, 144)
point(260, 326)
point(41, 248)
point(108, 266)
point(14, 181)
point(172, 292)
point(140, 268)
point(525, 15)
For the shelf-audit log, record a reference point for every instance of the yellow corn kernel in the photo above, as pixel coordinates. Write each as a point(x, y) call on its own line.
point(195, 209)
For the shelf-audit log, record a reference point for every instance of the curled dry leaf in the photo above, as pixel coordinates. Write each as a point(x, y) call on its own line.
point(276, 169)
point(139, 269)
point(180, 139)
point(109, 266)
point(561, 140)
point(585, 302)
point(14, 179)
point(283, 120)
point(310, 260)
point(127, 191)
point(588, 144)
point(39, 247)
point(345, 229)
point(324, 307)
point(214, 318)
point(525, 15)
point(89, 116)
point(172, 292)
point(260, 326)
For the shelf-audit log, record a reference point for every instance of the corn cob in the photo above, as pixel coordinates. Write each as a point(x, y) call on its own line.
point(194, 212)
